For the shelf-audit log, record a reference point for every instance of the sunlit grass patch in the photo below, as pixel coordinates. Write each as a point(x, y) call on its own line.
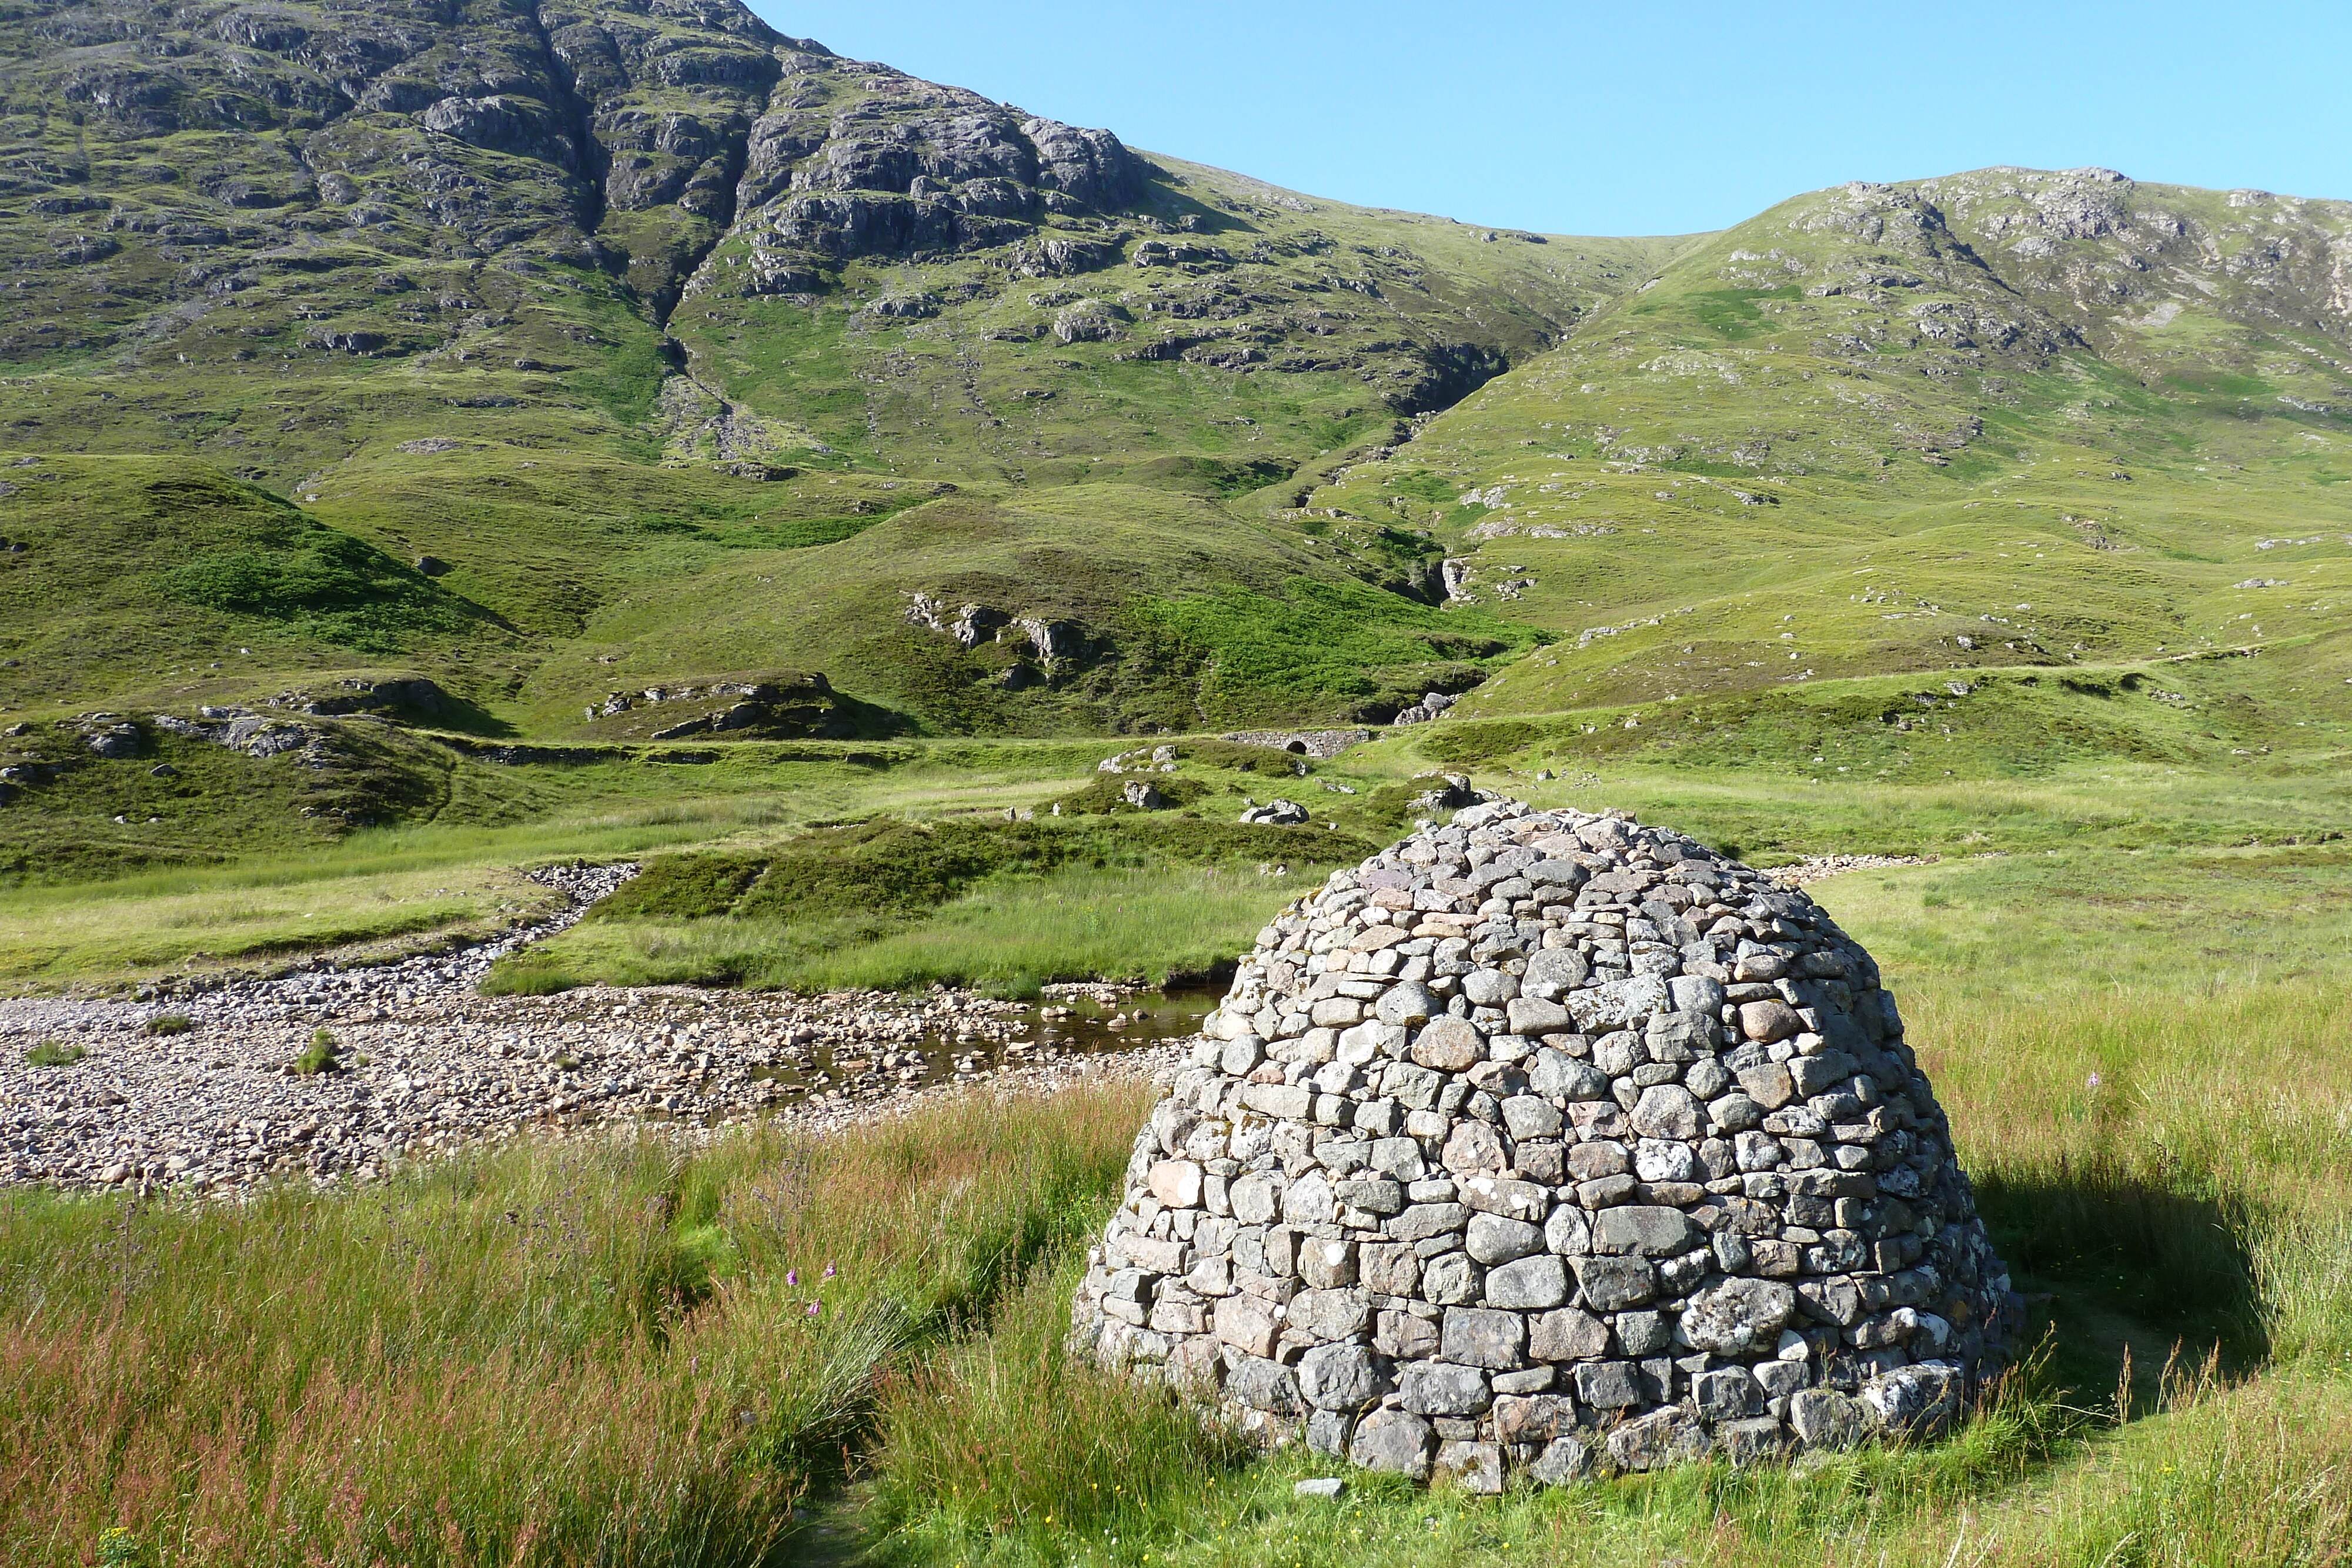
point(61, 936)
point(1007, 936)
point(596, 1352)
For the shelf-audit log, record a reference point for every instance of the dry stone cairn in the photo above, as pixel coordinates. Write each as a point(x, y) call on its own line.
point(1552, 1142)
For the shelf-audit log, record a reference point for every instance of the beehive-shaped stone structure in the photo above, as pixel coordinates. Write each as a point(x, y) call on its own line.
point(1552, 1141)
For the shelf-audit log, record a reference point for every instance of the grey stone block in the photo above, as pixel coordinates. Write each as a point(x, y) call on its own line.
point(1568, 1335)
point(1480, 1336)
point(1826, 1419)
point(1444, 1388)
point(1263, 1385)
point(1340, 1377)
point(1609, 1284)
point(1608, 1384)
point(1396, 1441)
point(1756, 1441)
point(1727, 1394)
point(1660, 1438)
point(1565, 1461)
point(1535, 1283)
point(1647, 1231)
point(1473, 1466)
point(1494, 1238)
point(1738, 1316)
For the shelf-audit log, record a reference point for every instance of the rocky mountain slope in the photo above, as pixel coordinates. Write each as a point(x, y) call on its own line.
point(604, 311)
point(495, 185)
point(561, 355)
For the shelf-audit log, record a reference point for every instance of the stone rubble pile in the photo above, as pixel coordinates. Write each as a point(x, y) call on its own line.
point(1548, 1141)
point(1818, 868)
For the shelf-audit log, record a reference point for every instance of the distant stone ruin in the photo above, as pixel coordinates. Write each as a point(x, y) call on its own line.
point(1551, 1141)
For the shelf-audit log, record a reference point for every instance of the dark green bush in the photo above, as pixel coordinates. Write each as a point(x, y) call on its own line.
point(335, 586)
point(1470, 742)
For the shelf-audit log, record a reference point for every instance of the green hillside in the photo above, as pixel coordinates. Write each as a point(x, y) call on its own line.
point(607, 378)
point(444, 441)
point(551, 357)
point(2006, 421)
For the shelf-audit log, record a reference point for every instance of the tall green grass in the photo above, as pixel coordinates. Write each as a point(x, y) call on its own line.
point(1003, 1441)
point(601, 1352)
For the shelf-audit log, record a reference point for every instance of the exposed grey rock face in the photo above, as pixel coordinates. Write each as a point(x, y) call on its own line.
point(1551, 1141)
point(1429, 707)
point(600, 135)
point(112, 738)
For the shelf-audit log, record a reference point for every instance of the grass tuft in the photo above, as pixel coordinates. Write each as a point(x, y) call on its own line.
point(323, 1054)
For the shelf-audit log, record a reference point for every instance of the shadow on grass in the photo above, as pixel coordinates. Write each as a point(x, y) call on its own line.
point(456, 713)
point(2124, 1267)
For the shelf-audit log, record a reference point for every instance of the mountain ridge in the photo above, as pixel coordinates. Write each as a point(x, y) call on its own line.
point(2150, 386)
point(266, 151)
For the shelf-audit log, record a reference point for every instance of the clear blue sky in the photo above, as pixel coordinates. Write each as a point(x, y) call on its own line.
point(1640, 117)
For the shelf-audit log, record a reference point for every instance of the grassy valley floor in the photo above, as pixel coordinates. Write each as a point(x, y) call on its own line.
point(2127, 984)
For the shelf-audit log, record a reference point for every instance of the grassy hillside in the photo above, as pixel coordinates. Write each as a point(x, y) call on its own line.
point(446, 440)
point(266, 236)
point(1999, 421)
point(558, 354)
point(1227, 333)
point(687, 352)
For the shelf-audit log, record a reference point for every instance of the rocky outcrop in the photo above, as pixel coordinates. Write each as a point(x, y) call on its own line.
point(1550, 1141)
point(785, 706)
point(1042, 649)
point(360, 694)
point(395, 183)
point(1430, 705)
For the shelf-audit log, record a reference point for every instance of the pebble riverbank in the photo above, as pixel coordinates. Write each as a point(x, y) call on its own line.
point(426, 1065)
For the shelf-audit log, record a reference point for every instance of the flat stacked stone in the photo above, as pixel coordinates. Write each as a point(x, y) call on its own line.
point(1551, 1141)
